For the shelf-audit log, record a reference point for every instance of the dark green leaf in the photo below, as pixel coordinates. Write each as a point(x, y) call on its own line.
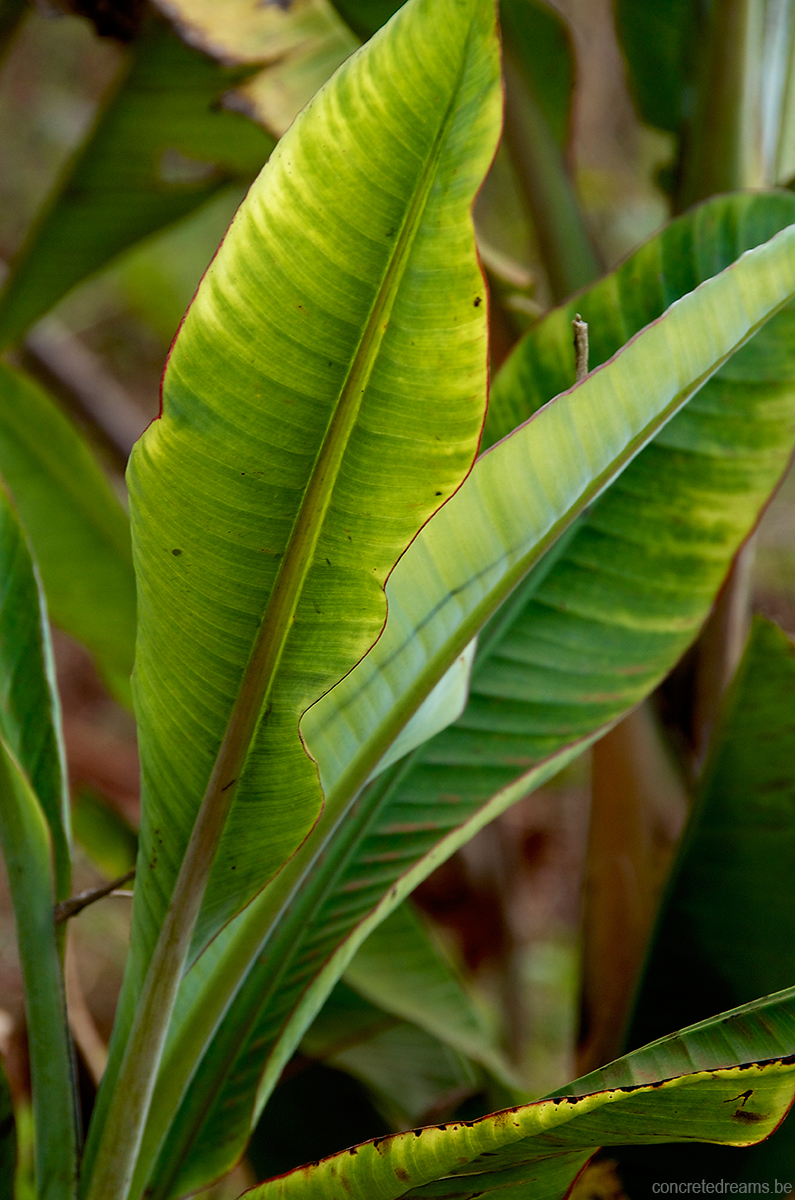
point(34, 837)
point(727, 929)
point(163, 145)
point(659, 40)
point(79, 531)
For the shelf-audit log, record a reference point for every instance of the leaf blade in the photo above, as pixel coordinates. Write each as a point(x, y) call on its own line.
point(34, 834)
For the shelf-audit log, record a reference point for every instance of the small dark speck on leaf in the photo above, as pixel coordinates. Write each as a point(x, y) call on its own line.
point(176, 553)
point(402, 1174)
point(437, 493)
point(478, 302)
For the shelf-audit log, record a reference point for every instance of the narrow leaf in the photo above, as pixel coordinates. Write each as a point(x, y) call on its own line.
point(162, 146)
point(34, 838)
point(79, 532)
point(659, 40)
point(30, 718)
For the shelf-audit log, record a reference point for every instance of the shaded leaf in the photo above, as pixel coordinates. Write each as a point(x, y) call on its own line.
point(407, 1071)
point(34, 839)
point(726, 931)
point(659, 40)
point(400, 969)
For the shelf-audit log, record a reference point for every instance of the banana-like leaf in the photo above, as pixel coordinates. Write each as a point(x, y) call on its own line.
point(162, 146)
point(34, 837)
point(619, 624)
point(540, 1148)
point(325, 394)
point(729, 1080)
point(540, 43)
point(400, 969)
point(727, 930)
point(78, 530)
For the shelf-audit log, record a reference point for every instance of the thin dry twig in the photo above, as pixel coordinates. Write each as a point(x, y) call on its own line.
point(580, 347)
point(75, 904)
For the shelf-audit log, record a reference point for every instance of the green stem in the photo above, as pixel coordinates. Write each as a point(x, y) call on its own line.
point(722, 148)
point(568, 257)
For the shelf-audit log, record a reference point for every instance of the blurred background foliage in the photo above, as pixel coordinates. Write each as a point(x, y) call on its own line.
point(507, 910)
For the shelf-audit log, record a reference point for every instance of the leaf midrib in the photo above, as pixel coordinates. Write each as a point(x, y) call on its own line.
point(251, 703)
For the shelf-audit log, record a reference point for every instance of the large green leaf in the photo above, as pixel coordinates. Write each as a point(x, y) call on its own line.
point(162, 146)
point(325, 394)
point(79, 532)
point(613, 640)
point(727, 928)
point(34, 839)
point(543, 1146)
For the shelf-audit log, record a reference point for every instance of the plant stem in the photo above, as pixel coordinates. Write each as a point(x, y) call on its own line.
point(568, 257)
point(722, 148)
point(638, 808)
point(75, 904)
point(580, 347)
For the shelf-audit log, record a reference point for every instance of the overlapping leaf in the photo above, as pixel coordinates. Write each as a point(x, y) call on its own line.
point(729, 1079)
point(79, 532)
point(543, 1146)
point(34, 839)
point(162, 146)
point(601, 645)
